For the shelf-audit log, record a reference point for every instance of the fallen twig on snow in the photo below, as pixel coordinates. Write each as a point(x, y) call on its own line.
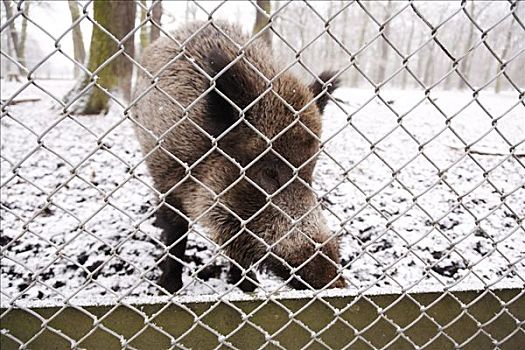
point(486, 152)
point(22, 100)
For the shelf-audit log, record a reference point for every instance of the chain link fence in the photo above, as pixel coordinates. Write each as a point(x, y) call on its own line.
point(419, 187)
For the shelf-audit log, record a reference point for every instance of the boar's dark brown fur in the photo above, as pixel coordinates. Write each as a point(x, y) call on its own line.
point(218, 150)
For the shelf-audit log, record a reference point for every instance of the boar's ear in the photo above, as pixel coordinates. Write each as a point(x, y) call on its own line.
point(236, 82)
point(317, 88)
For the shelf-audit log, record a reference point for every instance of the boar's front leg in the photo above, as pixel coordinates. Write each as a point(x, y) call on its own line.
point(174, 229)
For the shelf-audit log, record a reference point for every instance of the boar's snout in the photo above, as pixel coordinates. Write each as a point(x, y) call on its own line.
point(308, 254)
point(319, 271)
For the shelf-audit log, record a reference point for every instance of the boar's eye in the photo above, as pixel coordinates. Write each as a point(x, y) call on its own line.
point(270, 180)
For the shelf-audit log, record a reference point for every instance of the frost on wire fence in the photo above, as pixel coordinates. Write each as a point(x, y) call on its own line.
point(342, 158)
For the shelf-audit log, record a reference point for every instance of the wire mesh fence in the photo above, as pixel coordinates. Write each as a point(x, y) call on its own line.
point(224, 161)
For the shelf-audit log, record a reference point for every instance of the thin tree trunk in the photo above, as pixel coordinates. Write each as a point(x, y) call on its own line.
point(488, 68)
point(384, 52)
point(23, 32)
point(116, 74)
point(466, 63)
point(408, 48)
point(261, 21)
point(156, 16)
point(458, 38)
point(344, 34)
point(303, 19)
point(361, 43)
point(506, 47)
point(79, 52)
point(9, 65)
point(14, 36)
point(429, 66)
point(329, 58)
point(144, 35)
point(191, 11)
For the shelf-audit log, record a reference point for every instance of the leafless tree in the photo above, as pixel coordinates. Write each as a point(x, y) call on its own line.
point(116, 74)
point(384, 50)
point(408, 50)
point(144, 35)
point(23, 31)
point(191, 11)
point(504, 53)
point(465, 65)
point(156, 16)
point(261, 20)
point(300, 23)
point(329, 44)
point(430, 65)
point(15, 40)
point(361, 42)
point(79, 52)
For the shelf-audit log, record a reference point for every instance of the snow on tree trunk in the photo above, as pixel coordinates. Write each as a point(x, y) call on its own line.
point(116, 74)
point(79, 52)
point(261, 20)
point(156, 16)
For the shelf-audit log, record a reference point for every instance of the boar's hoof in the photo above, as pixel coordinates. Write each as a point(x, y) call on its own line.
point(170, 283)
point(244, 283)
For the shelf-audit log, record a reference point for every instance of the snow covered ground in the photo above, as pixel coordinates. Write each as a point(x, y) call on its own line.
point(411, 207)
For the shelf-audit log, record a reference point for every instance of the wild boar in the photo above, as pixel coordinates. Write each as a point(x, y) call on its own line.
point(231, 141)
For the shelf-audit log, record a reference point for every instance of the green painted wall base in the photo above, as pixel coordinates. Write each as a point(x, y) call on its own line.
point(486, 322)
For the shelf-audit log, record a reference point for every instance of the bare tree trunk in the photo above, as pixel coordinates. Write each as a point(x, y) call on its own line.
point(303, 19)
point(506, 47)
point(429, 66)
point(408, 48)
point(156, 16)
point(466, 63)
point(144, 35)
point(191, 12)
point(383, 59)
point(328, 52)
point(420, 59)
point(488, 69)
point(79, 52)
point(14, 36)
point(344, 33)
point(428, 63)
point(261, 21)
point(23, 32)
point(458, 38)
point(361, 42)
point(116, 74)
point(11, 75)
